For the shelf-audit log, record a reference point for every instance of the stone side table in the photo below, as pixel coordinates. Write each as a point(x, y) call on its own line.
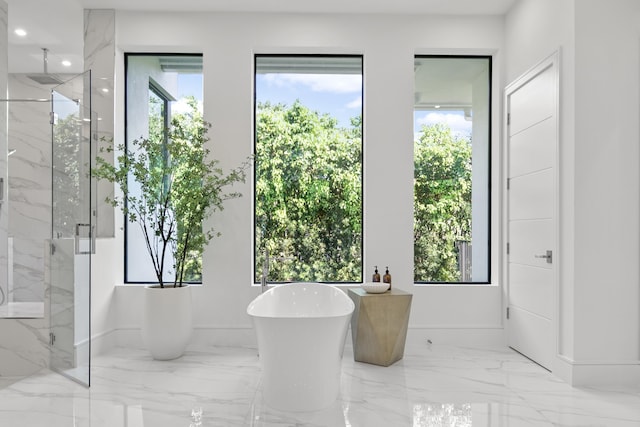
point(379, 325)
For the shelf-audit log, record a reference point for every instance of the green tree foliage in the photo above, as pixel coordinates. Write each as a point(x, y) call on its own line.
point(170, 184)
point(308, 195)
point(442, 202)
point(67, 162)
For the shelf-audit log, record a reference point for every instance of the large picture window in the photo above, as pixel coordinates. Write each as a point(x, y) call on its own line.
point(452, 116)
point(161, 90)
point(308, 168)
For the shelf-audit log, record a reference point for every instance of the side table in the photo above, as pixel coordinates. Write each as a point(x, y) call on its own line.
point(379, 325)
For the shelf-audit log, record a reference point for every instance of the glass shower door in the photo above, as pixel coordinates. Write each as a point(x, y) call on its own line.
point(72, 242)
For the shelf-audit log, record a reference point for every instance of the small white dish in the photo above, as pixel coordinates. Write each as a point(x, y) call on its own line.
point(375, 287)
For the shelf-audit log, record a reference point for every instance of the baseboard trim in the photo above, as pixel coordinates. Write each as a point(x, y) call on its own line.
point(203, 335)
point(480, 336)
point(450, 326)
point(102, 342)
point(418, 336)
point(597, 372)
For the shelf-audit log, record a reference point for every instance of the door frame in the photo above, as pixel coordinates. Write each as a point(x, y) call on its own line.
point(553, 61)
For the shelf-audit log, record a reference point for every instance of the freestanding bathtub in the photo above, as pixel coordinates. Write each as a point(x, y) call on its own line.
point(301, 330)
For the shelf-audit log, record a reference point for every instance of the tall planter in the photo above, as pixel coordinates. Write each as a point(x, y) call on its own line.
point(168, 321)
point(169, 184)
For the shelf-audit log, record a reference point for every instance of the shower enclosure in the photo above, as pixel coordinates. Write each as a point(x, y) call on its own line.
point(26, 198)
point(48, 208)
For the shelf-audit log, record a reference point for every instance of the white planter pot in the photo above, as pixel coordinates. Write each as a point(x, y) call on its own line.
point(167, 323)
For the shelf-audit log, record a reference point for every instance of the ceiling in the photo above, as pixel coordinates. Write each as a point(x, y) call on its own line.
point(469, 7)
point(58, 25)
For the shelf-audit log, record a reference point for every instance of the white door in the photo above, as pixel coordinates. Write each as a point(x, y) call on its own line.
point(532, 144)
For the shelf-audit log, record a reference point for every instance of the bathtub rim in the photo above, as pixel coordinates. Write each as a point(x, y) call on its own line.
point(350, 304)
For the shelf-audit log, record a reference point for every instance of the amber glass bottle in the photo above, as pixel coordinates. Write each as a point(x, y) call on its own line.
point(387, 277)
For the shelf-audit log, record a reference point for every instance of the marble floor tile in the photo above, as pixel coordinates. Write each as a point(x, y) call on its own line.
point(441, 386)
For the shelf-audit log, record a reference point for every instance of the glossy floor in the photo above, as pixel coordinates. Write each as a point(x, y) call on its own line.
point(440, 386)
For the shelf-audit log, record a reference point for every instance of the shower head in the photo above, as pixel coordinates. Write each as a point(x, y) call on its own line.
point(45, 78)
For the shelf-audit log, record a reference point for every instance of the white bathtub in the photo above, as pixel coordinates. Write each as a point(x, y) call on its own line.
point(301, 330)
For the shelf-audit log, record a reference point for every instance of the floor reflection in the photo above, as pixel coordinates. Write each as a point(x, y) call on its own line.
point(442, 415)
point(263, 415)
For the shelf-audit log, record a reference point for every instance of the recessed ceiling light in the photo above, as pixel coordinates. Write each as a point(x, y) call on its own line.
point(20, 32)
point(66, 63)
point(436, 106)
point(105, 90)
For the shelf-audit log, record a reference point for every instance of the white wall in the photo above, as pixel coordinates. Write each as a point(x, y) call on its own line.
point(599, 327)
point(607, 181)
point(468, 314)
point(104, 273)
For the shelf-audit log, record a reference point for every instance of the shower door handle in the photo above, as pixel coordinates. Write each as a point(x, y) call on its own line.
point(84, 245)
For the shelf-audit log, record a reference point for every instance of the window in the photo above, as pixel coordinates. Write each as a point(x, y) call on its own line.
point(161, 88)
point(308, 167)
point(158, 112)
point(452, 116)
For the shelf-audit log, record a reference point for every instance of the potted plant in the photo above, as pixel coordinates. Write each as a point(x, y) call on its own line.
point(169, 184)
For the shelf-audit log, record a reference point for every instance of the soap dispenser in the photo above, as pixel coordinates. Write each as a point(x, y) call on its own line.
point(387, 277)
point(376, 275)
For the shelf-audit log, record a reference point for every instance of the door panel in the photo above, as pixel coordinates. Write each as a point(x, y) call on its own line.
point(528, 241)
point(531, 150)
point(531, 212)
point(533, 102)
point(73, 196)
point(534, 336)
point(531, 288)
point(529, 196)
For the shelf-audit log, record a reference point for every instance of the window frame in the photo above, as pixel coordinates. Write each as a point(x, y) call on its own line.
point(490, 148)
point(255, 253)
point(160, 92)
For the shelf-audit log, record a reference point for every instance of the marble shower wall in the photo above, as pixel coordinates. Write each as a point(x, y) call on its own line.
point(99, 57)
point(29, 134)
point(23, 342)
point(24, 345)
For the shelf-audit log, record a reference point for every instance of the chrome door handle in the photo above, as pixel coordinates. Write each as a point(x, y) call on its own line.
point(548, 256)
point(85, 249)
